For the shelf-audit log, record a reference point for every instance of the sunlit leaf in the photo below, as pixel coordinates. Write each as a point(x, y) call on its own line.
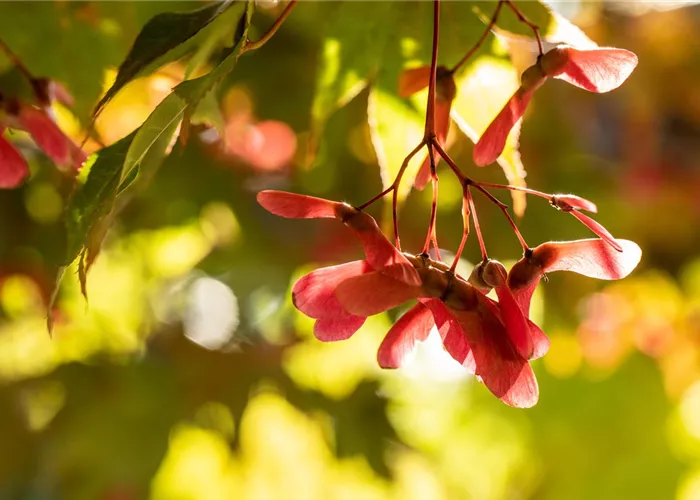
point(209, 113)
point(93, 200)
point(195, 91)
point(134, 159)
point(91, 208)
point(349, 56)
point(158, 128)
point(160, 35)
point(77, 42)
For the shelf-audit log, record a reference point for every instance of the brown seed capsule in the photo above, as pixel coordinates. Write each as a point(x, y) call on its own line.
point(435, 282)
point(347, 214)
point(495, 273)
point(446, 88)
point(461, 295)
point(532, 79)
point(476, 278)
point(488, 274)
point(554, 61)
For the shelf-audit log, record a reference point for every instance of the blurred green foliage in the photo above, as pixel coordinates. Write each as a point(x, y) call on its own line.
point(189, 375)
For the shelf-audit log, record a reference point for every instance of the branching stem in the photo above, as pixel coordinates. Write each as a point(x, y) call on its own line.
point(465, 232)
point(504, 208)
point(443, 154)
point(535, 29)
point(434, 147)
point(432, 231)
point(515, 188)
point(475, 218)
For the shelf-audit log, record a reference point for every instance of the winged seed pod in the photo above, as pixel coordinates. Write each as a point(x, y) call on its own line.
point(596, 70)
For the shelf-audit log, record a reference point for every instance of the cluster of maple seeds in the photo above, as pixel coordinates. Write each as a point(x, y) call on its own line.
point(492, 339)
point(38, 119)
point(495, 340)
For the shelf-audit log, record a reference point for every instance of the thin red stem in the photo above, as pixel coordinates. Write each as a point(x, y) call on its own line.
point(481, 187)
point(523, 19)
point(475, 218)
point(432, 231)
point(429, 138)
point(395, 188)
point(250, 45)
point(380, 195)
point(504, 208)
point(397, 179)
point(465, 232)
point(514, 188)
point(481, 39)
point(16, 61)
point(437, 248)
point(430, 112)
point(463, 178)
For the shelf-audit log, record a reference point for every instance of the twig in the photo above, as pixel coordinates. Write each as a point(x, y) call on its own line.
point(432, 231)
point(16, 61)
point(250, 45)
point(430, 112)
point(525, 20)
point(514, 188)
point(395, 188)
point(465, 232)
point(504, 208)
point(481, 39)
point(475, 218)
point(443, 154)
point(39, 91)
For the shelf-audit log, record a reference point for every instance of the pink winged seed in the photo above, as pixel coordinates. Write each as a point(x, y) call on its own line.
point(540, 341)
point(314, 293)
point(297, 206)
point(454, 340)
point(413, 80)
point(593, 258)
point(503, 371)
point(57, 92)
point(494, 274)
point(412, 327)
point(523, 295)
point(598, 70)
point(13, 167)
point(493, 140)
point(379, 252)
point(597, 228)
point(336, 328)
point(373, 293)
point(567, 202)
point(515, 322)
point(57, 146)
